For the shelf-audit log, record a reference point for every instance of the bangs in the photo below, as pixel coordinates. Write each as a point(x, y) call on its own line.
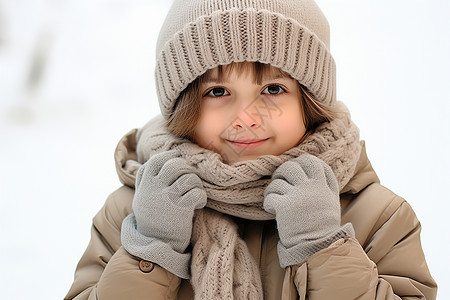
point(257, 70)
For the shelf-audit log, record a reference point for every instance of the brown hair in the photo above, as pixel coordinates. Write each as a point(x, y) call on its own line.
point(186, 112)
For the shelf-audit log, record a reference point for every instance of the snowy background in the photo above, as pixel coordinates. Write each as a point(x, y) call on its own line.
point(76, 75)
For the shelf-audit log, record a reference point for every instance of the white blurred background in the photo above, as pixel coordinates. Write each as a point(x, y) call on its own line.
point(76, 75)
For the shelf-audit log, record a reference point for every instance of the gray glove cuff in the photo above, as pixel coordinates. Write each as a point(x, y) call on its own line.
point(153, 250)
point(299, 253)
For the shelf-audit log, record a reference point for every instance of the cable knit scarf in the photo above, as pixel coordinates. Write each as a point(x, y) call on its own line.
point(222, 267)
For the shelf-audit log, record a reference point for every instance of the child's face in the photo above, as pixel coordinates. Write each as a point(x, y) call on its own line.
point(241, 119)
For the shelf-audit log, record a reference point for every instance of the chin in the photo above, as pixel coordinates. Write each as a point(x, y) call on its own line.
point(241, 159)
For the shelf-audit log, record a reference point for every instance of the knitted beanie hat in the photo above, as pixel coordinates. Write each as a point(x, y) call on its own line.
point(199, 35)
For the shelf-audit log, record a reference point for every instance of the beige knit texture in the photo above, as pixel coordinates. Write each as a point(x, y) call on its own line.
point(238, 189)
point(222, 266)
point(198, 35)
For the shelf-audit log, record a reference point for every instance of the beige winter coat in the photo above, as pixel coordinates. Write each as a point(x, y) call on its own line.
point(385, 261)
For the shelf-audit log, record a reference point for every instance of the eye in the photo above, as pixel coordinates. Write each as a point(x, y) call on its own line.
point(217, 92)
point(273, 89)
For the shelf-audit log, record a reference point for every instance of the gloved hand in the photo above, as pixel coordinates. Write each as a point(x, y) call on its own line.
point(160, 227)
point(304, 197)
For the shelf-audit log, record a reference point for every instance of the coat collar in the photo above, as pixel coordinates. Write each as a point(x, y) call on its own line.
point(364, 174)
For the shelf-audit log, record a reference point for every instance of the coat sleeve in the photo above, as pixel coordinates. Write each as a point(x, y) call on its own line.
point(391, 265)
point(107, 271)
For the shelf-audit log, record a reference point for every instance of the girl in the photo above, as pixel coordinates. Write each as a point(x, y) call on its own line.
point(253, 184)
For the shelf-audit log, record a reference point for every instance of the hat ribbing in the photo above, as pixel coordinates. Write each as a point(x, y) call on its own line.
point(199, 35)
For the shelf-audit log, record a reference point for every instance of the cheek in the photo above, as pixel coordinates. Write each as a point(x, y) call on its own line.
point(291, 126)
point(207, 130)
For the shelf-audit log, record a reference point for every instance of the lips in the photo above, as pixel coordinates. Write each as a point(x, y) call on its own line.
point(247, 143)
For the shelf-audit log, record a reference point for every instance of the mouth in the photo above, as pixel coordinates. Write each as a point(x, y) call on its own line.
point(247, 144)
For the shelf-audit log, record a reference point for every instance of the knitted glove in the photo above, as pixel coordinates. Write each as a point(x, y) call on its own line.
point(304, 197)
point(159, 230)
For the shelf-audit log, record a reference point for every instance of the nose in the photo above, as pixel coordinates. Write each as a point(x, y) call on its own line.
point(238, 124)
point(248, 117)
